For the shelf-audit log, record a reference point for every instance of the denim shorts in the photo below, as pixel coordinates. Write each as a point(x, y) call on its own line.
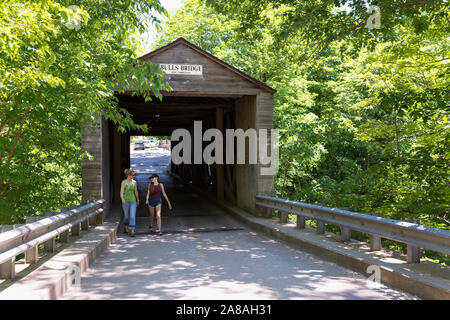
point(154, 202)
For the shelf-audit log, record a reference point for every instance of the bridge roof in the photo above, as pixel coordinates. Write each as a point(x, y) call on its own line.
point(206, 54)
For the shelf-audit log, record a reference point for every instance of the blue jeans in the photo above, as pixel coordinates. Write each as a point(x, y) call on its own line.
point(129, 209)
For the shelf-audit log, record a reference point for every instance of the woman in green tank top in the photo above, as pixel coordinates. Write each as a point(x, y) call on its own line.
point(130, 201)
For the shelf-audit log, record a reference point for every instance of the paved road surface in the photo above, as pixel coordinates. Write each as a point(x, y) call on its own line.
point(205, 254)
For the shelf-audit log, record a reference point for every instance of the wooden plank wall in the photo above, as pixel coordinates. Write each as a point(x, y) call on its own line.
point(264, 120)
point(91, 170)
point(216, 78)
point(253, 110)
point(246, 188)
point(106, 166)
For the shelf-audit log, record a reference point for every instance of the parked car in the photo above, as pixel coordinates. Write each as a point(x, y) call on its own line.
point(153, 143)
point(139, 145)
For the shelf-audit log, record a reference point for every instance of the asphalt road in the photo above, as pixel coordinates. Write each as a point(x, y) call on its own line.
point(205, 254)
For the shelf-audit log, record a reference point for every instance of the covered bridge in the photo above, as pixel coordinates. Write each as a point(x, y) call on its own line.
point(205, 89)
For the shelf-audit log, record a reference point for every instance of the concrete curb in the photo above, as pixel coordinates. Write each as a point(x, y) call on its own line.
point(426, 280)
point(54, 277)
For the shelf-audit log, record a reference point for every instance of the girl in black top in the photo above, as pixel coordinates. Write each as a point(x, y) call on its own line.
point(153, 200)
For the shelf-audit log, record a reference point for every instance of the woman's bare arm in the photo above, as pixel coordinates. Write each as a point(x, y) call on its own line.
point(165, 196)
point(136, 193)
point(121, 191)
point(148, 194)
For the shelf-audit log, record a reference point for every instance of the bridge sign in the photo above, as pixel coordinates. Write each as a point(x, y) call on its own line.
point(185, 69)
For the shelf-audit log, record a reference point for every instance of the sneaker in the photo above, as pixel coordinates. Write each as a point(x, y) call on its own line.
point(160, 233)
point(150, 228)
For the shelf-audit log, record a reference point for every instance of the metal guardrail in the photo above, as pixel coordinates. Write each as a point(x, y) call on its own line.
point(416, 236)
point(26, 238)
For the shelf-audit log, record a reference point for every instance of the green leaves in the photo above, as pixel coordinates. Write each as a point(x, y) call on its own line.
point(59, 64)
point(362, 114)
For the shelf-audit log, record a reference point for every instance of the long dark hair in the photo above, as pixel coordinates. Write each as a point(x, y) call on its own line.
point(151, 185)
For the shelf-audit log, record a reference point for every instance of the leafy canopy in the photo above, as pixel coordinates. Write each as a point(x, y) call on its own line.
point(60, 63)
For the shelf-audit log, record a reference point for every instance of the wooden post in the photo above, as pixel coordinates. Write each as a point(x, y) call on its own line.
point(31, 255)
point(345, 232)
point(375, 241)
point(320, 227)
point(126, 155)
point(301, 223)
point(116, 164)
point(85, 225)
point(8, 269)
point(320, 224)
point(93, 220)
point(99, 218)
point(413, 253)
point(283, 216)
point(50, 245)
point(219, 167)
point(76, 230)
point(64, 236)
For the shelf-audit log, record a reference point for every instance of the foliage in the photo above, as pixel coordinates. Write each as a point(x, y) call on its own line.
point(363, 114)
point(315, 24)
point(60, 63)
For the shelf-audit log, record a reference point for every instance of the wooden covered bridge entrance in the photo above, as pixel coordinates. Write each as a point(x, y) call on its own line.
point(204, 89)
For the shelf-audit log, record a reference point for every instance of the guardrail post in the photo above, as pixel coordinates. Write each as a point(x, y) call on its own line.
point(320, 227)
point(8, 269)
point(85, 225)
point(50, 245)
point(93, 220)
point(64, 236)
point(345, 232)
point(99, 216)
point(413, 253)
point(375, 241)
point(283, 216)
point(266, 212)
point(320, 224)
point(301, 222)
point(31, 255)
point(75, 230)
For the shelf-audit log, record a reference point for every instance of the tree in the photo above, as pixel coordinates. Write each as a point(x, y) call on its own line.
point(322, 22)
point(60, 63)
